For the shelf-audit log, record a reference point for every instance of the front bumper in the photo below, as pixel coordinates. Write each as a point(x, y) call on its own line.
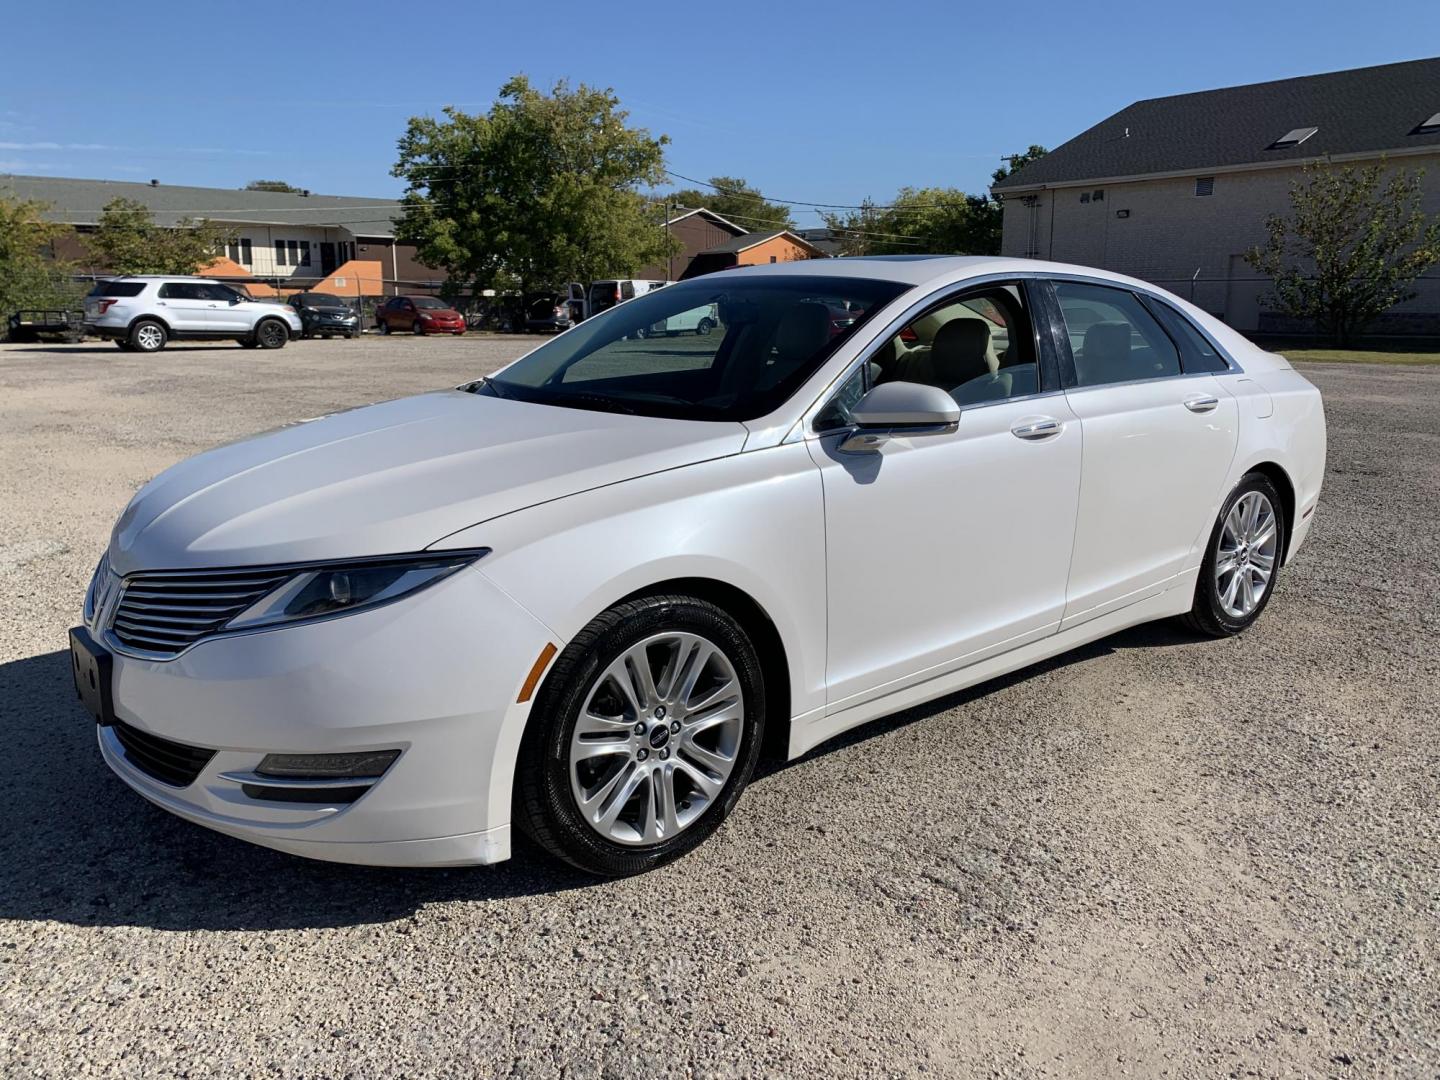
point(435, 676)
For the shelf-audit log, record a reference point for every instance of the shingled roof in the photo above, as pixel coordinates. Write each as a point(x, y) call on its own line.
point(1361, 112)
point(79, 202)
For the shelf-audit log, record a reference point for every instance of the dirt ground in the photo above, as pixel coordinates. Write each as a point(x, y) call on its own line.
point(1158, 856)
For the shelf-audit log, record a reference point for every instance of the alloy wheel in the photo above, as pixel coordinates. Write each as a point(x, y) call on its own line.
point(149, 337)
point(1245, 554)
point(657, 739)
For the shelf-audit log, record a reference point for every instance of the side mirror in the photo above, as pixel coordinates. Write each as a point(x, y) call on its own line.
point(900, 409)
point(237, 299)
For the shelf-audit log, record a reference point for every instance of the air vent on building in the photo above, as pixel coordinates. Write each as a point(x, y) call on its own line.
point(1099, 195)
point(1293, 137)
point(1429, 127)
point(1204, 185)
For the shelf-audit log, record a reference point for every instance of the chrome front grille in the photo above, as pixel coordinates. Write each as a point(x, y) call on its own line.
point(163, 613)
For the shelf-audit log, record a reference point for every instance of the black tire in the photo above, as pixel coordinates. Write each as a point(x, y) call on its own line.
point(544, 806)
point(1208, 615)
point(148, 336)
point(271, 334)
point(382, 326)
point(706, 325)
point(417, 328)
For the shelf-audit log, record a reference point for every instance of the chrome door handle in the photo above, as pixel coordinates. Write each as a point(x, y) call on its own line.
point(1035, 430)
point(1205, 403)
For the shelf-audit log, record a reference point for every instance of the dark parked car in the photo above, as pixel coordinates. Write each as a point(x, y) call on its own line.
point(547, 313)
point(418, 315)
point(324, 315)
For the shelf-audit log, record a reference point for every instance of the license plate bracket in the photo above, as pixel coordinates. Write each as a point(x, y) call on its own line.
point(93, 670)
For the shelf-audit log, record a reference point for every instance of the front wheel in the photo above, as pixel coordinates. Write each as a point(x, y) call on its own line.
point(706, 325)
point(1242, 560)
point(644, 735)
point(417, 328)
point(271, 334)
point(383, 327)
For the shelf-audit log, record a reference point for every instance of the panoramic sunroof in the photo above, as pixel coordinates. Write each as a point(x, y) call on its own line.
point(1293, 137)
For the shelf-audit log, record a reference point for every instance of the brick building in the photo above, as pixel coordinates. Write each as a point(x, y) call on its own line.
point(1174, 190)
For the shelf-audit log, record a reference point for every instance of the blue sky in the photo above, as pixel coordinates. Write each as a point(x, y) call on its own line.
point(826, 102)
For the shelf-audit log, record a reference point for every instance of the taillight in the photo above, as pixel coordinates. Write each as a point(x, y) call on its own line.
point(105, 305)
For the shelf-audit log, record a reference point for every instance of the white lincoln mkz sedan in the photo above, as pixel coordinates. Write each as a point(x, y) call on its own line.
point(575, 595)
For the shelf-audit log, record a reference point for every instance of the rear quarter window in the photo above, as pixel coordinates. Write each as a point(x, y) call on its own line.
point(118, 288)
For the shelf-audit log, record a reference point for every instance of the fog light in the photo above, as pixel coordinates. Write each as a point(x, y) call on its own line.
point(371, 763)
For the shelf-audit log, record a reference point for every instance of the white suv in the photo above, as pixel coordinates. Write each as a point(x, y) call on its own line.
point(143, 313)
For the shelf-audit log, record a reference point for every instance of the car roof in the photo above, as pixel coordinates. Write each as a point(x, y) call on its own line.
point(917, 270)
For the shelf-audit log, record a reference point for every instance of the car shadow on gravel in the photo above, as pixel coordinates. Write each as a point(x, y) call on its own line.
point(77, 846)
point(1146, 636)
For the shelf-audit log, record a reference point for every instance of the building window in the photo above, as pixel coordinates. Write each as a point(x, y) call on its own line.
point(304, 253)
point(280, 253)
point(1084, 196)
point(1204, 185)
point(1099, 195)
point(240, 252)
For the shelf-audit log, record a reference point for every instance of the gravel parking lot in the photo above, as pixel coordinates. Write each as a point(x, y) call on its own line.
point(1159, 856)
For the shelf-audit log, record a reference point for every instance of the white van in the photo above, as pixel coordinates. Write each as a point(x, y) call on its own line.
point(606, 294)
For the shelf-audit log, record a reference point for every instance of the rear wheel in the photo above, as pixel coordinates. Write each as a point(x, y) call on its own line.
point(417, 328)
point(383, 326)
point(148, 336)
point(706, 325)
point(644, 735)
point(1242, 561)
point(271, 334)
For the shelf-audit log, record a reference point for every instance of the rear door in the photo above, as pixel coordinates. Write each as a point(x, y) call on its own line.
point(1158, 445)
point(186, 306)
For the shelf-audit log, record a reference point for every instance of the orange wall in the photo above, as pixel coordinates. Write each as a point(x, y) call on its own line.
point(780, 248)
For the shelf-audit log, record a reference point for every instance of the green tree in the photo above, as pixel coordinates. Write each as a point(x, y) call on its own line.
point(732, 198)
point(30, 275)
point(541, 190)
point(127, 241)
point(274, 185)
point(1015, 162)
point(943, 221)
point(1351, 248)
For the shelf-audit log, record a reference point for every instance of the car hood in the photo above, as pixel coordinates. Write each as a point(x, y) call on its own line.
point(393, 477)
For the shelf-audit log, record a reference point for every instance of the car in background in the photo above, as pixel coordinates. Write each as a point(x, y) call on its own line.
point(418, 315)
point(698, 320)
point(606, 294)
point(141, 313)
point(324, 315)
point(548, 313)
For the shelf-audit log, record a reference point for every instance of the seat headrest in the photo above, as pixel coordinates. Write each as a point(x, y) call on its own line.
point(960, 351)
point(803, 331)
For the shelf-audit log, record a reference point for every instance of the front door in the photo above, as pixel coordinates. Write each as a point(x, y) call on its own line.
point(327, 258)
point(1158, 446)
point(943, 549)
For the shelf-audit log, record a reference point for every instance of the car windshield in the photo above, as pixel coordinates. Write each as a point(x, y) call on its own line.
point(720, 348)
point(428, 302)
point(319, 299)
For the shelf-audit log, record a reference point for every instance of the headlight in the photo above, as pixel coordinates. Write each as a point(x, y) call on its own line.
point(341, 588)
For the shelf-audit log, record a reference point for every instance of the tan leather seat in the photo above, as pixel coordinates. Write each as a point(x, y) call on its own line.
point(803, 331)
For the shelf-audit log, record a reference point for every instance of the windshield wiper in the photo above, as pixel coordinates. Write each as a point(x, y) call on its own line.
point(606, 404)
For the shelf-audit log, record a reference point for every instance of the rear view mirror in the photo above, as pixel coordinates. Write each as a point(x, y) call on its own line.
point(900, 409)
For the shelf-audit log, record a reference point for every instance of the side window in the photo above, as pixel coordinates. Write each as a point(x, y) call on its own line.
point(627, 290)
point(978, 346)
point(837, 413)
point(1196, 352)
point(182, 290)
point(1113, 337)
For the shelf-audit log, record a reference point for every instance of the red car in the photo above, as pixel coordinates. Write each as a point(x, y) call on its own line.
point(418, 315)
